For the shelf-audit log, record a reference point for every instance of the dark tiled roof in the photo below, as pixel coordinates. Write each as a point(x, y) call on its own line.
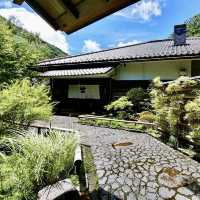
point(76, 72)
point(150, 50)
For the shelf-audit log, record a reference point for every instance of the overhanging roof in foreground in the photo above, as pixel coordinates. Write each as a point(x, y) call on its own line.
point(76, 73)
point(153, 50)
point(71, 15)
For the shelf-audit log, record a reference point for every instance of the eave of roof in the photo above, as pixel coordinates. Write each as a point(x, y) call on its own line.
point(72, 15)
point(153, 50)
point(77, 73)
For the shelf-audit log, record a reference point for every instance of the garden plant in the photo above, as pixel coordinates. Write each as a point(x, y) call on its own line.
point(33, 162)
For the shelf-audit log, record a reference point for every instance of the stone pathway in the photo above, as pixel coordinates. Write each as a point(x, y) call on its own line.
point(136, 166)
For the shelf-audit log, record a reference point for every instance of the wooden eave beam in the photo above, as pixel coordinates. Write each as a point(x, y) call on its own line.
point(18, 2)
point(72, 8)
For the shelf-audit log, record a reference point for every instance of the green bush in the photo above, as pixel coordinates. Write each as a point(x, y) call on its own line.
point(123, 114)
point(193, 109)
point(147, 116)
point(23, 103)
point(121, 104)
point(193, 116)
point(35, 162)
point(139, 98)
point(172, 106)
point(195, 133)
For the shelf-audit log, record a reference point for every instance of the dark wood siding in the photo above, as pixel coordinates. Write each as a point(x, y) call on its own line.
point(60, 94)
point(120, 88)
point(109, 90)
point(195, 71)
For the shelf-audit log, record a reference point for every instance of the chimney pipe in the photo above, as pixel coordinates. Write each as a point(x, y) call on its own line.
point(180, 32)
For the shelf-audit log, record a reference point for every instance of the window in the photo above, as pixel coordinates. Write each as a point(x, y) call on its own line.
point(84, 92)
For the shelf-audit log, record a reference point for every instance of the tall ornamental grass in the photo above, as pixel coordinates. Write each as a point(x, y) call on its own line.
point(35, 161)
point(22, 103)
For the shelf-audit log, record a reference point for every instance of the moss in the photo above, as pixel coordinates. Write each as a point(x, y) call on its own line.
point(90, 168)
point(113, 124)
point(75, 180)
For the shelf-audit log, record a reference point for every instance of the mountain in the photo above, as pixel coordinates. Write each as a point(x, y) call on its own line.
point(20, 33)
point(20, 50)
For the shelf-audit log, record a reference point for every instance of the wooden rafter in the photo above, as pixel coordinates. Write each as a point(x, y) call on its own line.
point(70, 16)
point(71, 7)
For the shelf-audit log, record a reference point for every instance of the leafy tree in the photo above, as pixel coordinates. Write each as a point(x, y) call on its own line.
point(193, 26)
point(23, 103)
point(20, 50)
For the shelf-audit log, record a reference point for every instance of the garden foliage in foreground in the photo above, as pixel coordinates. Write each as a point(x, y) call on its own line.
point(32, 162)
point(22, 103)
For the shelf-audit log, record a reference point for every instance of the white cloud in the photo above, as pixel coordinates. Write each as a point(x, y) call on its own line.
point(144, 10)
point(90, 46)
point(35, 24)
point(122, 44)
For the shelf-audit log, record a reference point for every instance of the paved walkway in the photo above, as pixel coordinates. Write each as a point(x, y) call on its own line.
point(136, 166)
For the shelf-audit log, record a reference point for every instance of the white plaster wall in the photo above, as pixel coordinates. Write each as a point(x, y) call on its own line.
point(167, 70)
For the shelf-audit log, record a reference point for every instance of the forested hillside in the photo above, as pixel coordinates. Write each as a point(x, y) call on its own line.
point(19, 50)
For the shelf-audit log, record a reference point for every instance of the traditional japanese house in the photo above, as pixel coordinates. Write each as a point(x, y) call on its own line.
point(89, 81)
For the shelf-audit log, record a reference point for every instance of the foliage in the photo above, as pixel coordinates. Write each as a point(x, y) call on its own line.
point(180, 85)
point(147, 116)
point(75, 180)
point(36, 161)
point(195, 133)
point(171, 106)
point(22, 103)
point(19, 52)
point(123, 114)
point(90, 168)
point(193, 26)
point(193, 116)
point(193, 109)
point(139, 98)
point(120, 107)
point(114, 124)
point(159, 101)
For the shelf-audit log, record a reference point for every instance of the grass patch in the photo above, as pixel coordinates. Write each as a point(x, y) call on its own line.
point(90, 168)
point(75, 180)
point(113, 124)
point(34, 161)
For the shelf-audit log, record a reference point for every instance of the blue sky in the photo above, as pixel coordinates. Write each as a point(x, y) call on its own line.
point(144, 21)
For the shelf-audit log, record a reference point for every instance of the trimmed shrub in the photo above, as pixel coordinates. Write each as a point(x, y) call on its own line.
point(120, 108)
point(139, 98)
point(120, 104)
point(147, 116)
